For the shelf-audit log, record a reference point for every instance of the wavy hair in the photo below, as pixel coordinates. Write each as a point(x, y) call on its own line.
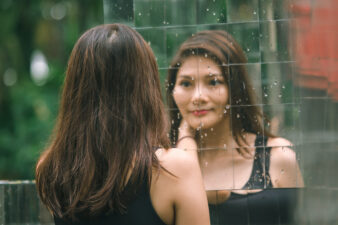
point(110, 120)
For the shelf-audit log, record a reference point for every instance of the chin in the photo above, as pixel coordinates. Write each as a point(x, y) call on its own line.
point(202, 124)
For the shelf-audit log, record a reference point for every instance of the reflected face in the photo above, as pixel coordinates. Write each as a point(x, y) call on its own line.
point(200, 92)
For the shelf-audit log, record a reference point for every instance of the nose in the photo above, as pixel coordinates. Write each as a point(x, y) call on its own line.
point(199, 96)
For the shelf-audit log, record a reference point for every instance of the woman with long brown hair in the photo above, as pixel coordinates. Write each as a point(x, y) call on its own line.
point(213, 109)
point(109, 160)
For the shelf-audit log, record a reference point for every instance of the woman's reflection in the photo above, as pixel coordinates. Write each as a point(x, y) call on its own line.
point(213, 105)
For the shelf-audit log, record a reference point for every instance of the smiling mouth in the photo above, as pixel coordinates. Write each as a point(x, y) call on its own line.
point(200, 112)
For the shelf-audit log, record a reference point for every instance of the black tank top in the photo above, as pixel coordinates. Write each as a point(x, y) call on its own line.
point(140, 211)
point(267, 207)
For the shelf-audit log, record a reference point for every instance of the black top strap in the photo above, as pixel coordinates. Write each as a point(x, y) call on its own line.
point(260, 177)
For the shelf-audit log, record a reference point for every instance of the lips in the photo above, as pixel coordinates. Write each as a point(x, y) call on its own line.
point(200, 112)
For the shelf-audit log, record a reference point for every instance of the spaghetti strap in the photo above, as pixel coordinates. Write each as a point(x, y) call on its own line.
point(260, 177)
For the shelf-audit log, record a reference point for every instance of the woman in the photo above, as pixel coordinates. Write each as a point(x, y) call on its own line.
point(212, 105)
point(108, 161)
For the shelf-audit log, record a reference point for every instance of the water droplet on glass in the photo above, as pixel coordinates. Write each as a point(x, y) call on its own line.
point(254, 12)
point(172, 121)
point(275, 83)
point(248, 49)
point(265, 95)
point(214, 13)
point(207, 9)
point(140, 14)
point(206, 55)
point(238, 116)
point(279, 96)
point(260, 179)
point(212, 129)
point(283, 87)
point(205, 134)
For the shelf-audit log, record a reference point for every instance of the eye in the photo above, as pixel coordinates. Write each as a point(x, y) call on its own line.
point(215, 82)
point(185, 83)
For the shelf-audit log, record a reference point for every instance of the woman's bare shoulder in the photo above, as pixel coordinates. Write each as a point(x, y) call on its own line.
point(284, 169)
point(282, 153)
point(177, 161)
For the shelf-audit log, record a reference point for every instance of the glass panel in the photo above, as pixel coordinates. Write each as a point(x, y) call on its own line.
point(119, 11)
point(156, 38)
point(149, 13)
point(180, 12)
point(242, 10)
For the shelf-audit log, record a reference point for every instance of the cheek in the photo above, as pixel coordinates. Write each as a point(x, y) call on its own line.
point(181, 98)
point(222, 97)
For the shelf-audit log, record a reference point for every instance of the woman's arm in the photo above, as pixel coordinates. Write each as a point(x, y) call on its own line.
point(186, 139)
point(185, 192)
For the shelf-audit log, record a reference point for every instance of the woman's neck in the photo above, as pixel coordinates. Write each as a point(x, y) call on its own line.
point(218, 136)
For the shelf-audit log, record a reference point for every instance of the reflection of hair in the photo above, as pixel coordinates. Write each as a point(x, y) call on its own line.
point(222, 48)
point(111, 118)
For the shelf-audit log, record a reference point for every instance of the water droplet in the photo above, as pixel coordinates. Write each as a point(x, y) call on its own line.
point(172, 121)
point(260, 179)
point(268, 124)
point(275, 83)
point(279, 96)
point(212, 129)
point(283, 87)
point(254, 12)
point(206, 135)
point(238, 116)
point(248, 49)
point(214, 13)
point(206, 55)
point(265, 95)
point(140, 14)
point(207, 9)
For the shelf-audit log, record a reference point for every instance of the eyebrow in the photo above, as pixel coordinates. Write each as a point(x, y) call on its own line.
point(185, 77)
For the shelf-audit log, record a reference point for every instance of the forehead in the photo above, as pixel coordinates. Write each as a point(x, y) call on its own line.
point(197, 65)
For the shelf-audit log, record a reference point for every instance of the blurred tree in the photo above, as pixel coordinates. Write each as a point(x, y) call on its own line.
point(27, 107)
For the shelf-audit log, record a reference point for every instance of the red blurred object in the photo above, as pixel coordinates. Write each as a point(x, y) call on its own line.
point(315, 38)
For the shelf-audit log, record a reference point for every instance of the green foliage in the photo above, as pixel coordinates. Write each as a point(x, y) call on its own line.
point(28, 110)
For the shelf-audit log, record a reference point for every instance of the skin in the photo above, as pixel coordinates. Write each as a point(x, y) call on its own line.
point(202, 102)
point(200, 93)
point(172, 200)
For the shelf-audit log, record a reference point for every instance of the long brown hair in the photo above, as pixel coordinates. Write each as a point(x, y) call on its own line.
point(110, 120)
point(223, 49)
